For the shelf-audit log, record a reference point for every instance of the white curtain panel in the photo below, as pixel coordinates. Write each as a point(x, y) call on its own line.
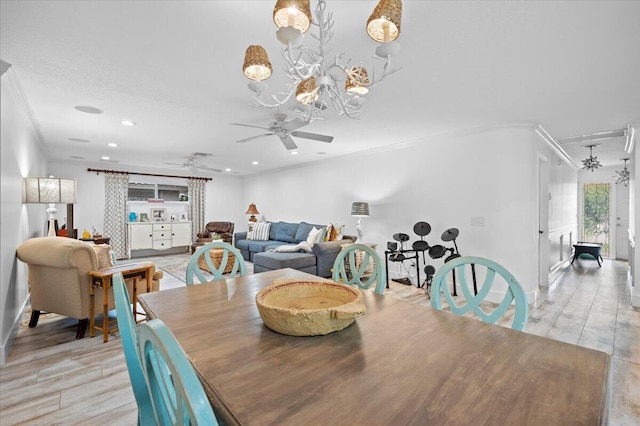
point(116, 187)
point(197, 199)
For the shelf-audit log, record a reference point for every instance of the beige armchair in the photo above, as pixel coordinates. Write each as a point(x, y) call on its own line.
point(59, 280)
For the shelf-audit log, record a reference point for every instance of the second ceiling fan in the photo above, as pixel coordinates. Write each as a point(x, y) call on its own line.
point(285, 130)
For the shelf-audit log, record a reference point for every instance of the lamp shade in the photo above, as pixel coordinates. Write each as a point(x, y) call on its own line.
point(256, 64)
point(357, 81)
point(384, 23)
point(359, 208)
point(252, 209)
point(293, 13)
point(49, 190)
point(307, 91)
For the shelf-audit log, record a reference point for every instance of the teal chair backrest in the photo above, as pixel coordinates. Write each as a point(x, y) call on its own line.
point(129, 337)
point(193, 270)
point(176, 393)
point(467, 266)
point(364, 268)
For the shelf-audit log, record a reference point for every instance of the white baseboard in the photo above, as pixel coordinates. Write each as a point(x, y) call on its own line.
point(5, 349)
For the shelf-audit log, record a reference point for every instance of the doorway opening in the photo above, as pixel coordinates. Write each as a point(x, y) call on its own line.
point(595, 215)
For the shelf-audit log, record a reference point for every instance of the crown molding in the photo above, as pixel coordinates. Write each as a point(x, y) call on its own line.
point(14, 88)
point(554, 145)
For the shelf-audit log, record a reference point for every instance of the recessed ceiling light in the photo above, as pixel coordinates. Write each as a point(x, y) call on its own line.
point(77, 157)
point(294, 152)
point(112, 144)
point(88, 109)
point(105, 158)
point(128, 123)
point(227, 169)
point(79, 140)
point(255, 163)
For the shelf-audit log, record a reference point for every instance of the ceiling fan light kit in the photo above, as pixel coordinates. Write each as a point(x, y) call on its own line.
point(302, 63)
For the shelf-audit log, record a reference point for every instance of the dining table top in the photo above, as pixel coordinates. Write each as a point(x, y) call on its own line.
point(401, 363)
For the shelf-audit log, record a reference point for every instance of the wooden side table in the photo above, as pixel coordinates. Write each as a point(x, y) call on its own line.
point(101, 240)
point(102, 278)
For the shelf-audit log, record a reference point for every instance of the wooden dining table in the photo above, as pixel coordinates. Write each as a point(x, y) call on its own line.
point(401, 363)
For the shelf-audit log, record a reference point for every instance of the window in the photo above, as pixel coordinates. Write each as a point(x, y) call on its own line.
point(595, 215)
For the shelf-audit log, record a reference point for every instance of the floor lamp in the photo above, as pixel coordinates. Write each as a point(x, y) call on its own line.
point(359, 209)
point(50, 191)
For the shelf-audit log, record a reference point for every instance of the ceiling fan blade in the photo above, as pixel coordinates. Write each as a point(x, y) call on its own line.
point(174, 164)
point(313, 136)
point(296, 123)
point(254, 137)
point(249, 125)
point(288, 142)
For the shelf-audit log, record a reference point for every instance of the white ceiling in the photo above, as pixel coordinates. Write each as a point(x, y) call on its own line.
point(174, 67)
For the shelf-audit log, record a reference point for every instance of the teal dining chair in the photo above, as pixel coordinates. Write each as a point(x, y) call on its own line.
point(469, 265)
point(176, 393)
point(216, 264)
point(360, 265)
point(129, 336)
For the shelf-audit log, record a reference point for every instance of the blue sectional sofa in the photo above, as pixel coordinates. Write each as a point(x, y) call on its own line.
point(319, 262)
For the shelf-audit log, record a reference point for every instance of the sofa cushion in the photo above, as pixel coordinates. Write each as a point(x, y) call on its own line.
point(273, 230)
point(258, 246)
point(303, 231)
point(243, 244)
point(286, 232)
point(273, 260)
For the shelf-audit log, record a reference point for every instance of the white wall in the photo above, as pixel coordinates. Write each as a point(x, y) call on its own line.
point(445, 181)
point(21, 156)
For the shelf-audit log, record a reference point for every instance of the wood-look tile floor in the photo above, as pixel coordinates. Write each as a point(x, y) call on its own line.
point(51, 378)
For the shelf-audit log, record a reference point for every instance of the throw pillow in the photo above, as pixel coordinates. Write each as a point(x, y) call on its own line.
point(339, 231)
point(103, 253)
point(313, 236)
point(290, 248)
point(261, 231)
point(250, 230)
point(327, 235)
point(333, 234)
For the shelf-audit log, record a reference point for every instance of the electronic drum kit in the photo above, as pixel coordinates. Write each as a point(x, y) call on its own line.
point(422, 229)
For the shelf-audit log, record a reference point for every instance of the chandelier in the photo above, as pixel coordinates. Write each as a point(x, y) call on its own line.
point(623, 176)
point(592, 162)
point(316, 78)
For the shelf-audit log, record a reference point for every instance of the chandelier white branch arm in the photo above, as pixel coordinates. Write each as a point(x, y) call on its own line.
point(316, 80)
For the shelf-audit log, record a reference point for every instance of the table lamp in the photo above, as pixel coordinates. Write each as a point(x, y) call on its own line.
point(50, 191)
point(359, 209)
point(252, 210)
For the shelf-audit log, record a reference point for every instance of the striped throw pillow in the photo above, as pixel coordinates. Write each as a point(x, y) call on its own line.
point(261, 231)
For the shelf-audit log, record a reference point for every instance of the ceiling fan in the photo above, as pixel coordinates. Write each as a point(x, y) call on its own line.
point(191, 162)
point(285, 130)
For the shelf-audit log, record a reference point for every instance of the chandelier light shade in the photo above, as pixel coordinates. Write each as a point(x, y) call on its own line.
point(337, 82)
point(624, 175)
point(256, 63)
point(307, 91)
point(50, 191)
point(383, 25)
point(592, 162)
point(293, 13)
point(252, 210)
point(357, 81)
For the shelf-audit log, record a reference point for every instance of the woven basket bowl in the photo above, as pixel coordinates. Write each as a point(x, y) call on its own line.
point(308, 308)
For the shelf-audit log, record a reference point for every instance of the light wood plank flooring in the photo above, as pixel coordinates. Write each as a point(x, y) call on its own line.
point(51, 378)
